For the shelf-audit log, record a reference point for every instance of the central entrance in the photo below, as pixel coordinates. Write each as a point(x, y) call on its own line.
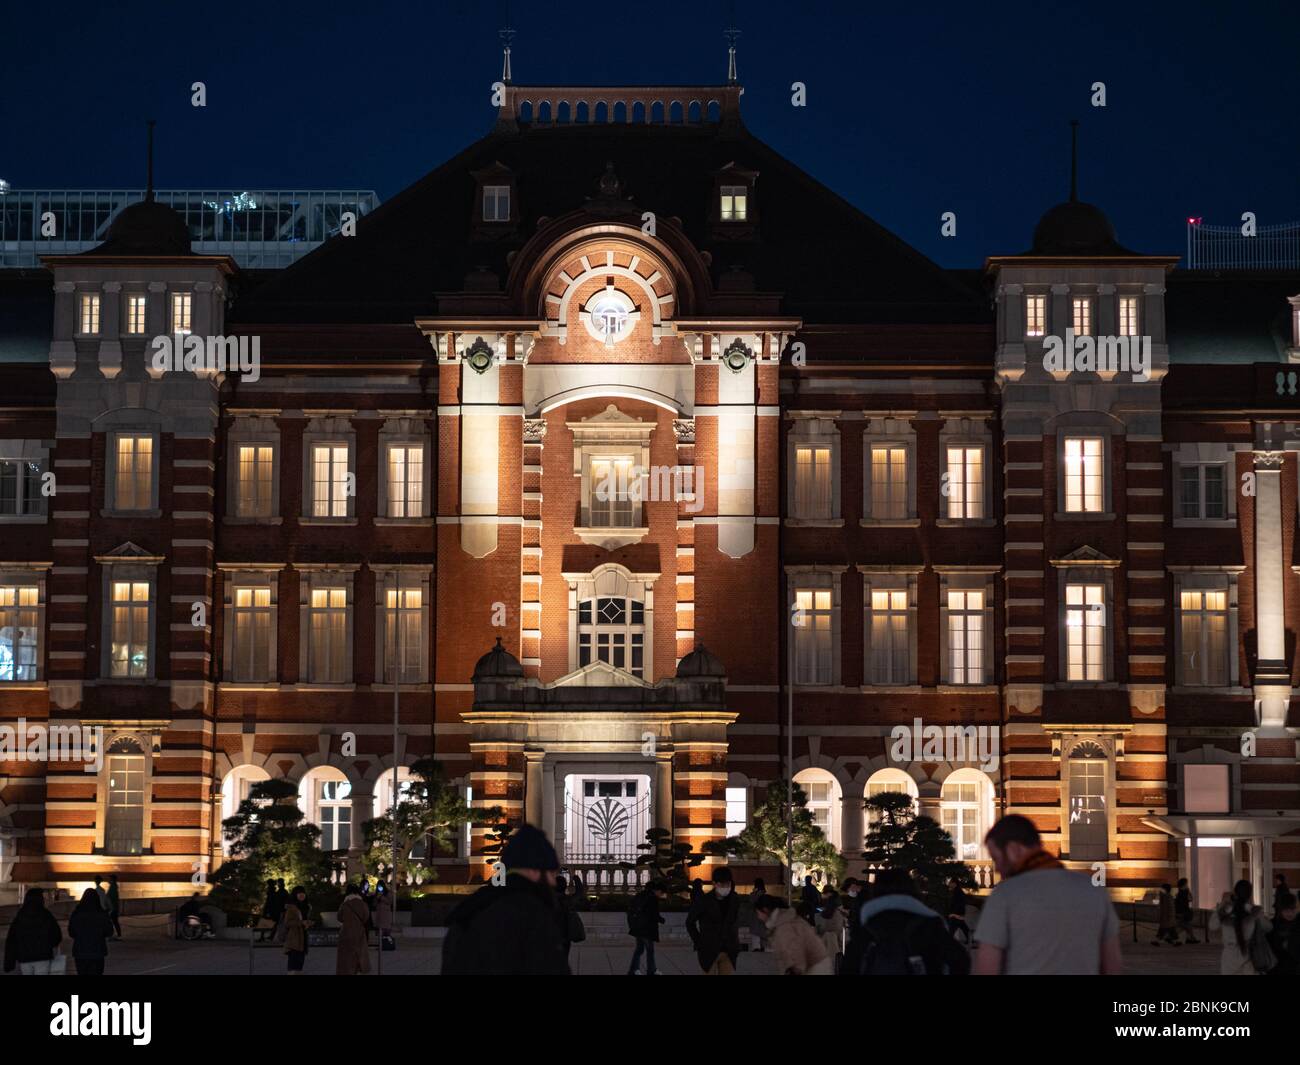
point(606, 816)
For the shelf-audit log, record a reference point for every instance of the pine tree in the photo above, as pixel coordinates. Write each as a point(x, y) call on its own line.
point(900, 838)
point(764, 838)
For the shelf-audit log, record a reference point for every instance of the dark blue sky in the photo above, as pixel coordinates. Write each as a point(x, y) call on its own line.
point(913, 109)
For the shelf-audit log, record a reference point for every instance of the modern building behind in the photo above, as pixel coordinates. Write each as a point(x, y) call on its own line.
point(869, 499)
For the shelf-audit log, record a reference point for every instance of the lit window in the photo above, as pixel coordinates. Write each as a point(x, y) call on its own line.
point(330, 481)
point(1128, 316)
point(812, 636)
point(734, 203)
point(890, 639)
point(1085, 632)
point(256, 463)
point(496, 203)
point(961, 808)
point(821, 800)
point(611, 495)
point(609, 316)
point(1082, 316)
point(328, 627)
point(1084, 482)
point(889, 482)
point(135, 312)
point(334, 814)
point(888, 782)
point(1201, 492)
point(130, 626)
point(20, 487)
point(403, 634)
point(737, 815)
point(812, 482)
point(252, 634)
point(89, 322)
point(405, 481)
point(1035, 316)
point(965, 637)
point(611, 629)
point(1089, 833)
point(133, 485)
point(20, 632)
point(1203, 629)
point(965, 484)
point(182, 312)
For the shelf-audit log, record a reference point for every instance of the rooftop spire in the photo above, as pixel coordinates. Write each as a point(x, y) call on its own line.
point(507, 35)
point(1074, 160)
point(731, 34)
point(148, 192)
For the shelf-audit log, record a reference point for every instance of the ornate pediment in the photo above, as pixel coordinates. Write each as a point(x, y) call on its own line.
point(1085, 556)
point(600, 675)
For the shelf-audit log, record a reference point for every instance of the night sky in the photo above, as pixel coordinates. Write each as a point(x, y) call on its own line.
point(913, 109)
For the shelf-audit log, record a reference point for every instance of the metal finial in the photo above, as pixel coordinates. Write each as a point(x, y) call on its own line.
point(507, 34)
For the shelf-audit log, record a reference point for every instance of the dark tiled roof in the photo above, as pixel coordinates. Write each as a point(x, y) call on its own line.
point(831, 262)
point(1234, 317)
point(26, 316)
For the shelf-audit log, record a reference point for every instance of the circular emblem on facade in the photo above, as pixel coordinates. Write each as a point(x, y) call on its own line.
point(479, 355)
point(609, 316)
point(737, 356)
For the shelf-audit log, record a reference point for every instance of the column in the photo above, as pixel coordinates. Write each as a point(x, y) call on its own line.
point(534, 788)
point(664, 791)
point(1272, 676)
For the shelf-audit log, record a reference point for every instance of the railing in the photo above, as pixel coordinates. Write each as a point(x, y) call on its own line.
point(1274, 247)
point(607, 878)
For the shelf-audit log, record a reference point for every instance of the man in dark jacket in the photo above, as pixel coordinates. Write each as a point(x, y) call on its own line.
point(714, 926)
point(33, 937)
point(901, 936)
point(510, 930)
point(643, 921)
point(811, 900)
point(90, 929)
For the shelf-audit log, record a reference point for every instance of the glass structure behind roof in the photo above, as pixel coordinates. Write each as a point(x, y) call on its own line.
point(258, 229)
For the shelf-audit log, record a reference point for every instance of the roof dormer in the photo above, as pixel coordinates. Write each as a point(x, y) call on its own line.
point(496, 203)
point(733, 215)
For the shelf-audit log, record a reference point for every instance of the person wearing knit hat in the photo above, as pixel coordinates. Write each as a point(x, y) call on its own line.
point(511, 929)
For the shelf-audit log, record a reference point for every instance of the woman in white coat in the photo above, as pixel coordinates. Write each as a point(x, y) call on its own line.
point(1240, 921)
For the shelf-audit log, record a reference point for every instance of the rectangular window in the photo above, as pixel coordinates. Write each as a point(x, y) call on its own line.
point(965, 485)
point(133, 483)
point(496, 203)
point(1207, 789)
point(130, 625)
point(965, 637)
point(611, 629)
point(812, 636)
point(1035, 316)
point(1128, 316)
point(124, 813)
point(1081, 318)
point(812, 482)
point(256, 463)
point(405, 481)
point(135, 311)
point(20, 487)
point(1085, 632)
point(403, 634)
point(889, 482)
point(1203, 627)
point(329, 498)
point(1088, 828)
point(1201, 492)
point(182, 312)
point(328, 628)
point(20, 632)
point(737, 815)
point(252, 634)
point(611, 501)
point(891, 642)
point(734, 203)
point(334, 805)
point(88, 324)
point(1084, 480)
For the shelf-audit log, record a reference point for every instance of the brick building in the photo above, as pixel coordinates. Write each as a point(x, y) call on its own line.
point(616, 444)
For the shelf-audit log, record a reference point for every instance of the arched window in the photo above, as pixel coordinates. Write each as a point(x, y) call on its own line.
point(384, 800)
point(234, 790)
point(1089, 833)
point(822, 792)
point(966, 806)
point(611, 629)
point(325, 796)
point(889, 780)
point(124, 814)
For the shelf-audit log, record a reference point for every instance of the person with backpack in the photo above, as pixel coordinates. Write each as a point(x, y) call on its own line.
point(90, 929)
point(1042, 919)
point(643, 921)
point(1183, 913)
point(34, 937)
point(799, 950)
point(1245, 933)
point(713, 924)
point(901, 936)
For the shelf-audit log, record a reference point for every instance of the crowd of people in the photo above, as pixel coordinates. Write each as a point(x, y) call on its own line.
point(34, 944)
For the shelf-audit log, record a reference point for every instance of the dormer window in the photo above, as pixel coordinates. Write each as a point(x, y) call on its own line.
point(734, 203)
point(1082, 317)
point(496, 203)
point(135, 312)
point(182, 312)
point(88, 322)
